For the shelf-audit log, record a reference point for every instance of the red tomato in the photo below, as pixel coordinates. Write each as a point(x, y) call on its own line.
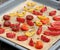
point(52, 33)
point(56, 24)
point(31, 43)
point(44, 38)
point(53, 28)
point(10, 35)
point(7, 23)
point(52, 13)
point(24, 27)
point(12, 25)
point(43, 9)
point(37, 13)
point(22, 20)
point(6, 17)
point(15, 27)
point(30, 23)
point(29, 17)
point(2, 30)
point(38, 45)
point(22, 38)
point(56, 18)
point(39, 30)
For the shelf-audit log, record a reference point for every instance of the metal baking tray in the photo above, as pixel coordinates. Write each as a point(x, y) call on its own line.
point(8, 4)
point(12, 44)
point(13, 3)
point(52, 3)
point(56, 46)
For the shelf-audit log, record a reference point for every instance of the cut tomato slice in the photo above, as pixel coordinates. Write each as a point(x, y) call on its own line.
point(54, 28)
point(43, 9)
point(2, 30)
point(22, 38)
point(21, 20)
point(29, 17)
point(44, 38)
point(52, 33)
point(52, 13)
point(31, 43)
point(39, 45)
point(6, 17)
point(37, 13)
point(10, 35)
point(30, 23)
point(24, 27)
point(39, 30)
point(56, 24)
point(56, 18)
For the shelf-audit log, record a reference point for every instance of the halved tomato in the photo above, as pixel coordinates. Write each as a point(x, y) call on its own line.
point(10, 35)
point(43, 9)
point(39, 45)
point(56, 18)
point(39, 30)
point(37, 13)
point(22, 38)
point(44, 38)
point(54, 28)
point(31, 43)
point(2, 30)
point(56, 25)
point(52, 33)
point(52, 13)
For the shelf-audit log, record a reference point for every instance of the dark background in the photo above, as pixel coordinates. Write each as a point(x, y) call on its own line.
point(4, 46)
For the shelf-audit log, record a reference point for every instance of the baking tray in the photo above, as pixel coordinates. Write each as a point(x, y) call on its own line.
point(9, 4)
point(12, 44)
point(5, 10)
point(52, 3)
point(4, 7)
point(56, 45)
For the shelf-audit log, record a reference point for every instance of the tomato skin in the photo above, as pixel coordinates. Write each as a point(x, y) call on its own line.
point(56, 18)
point(12, 25)
point(43, 9)
point(29, 17)
point(45, 21)
point(53, 28)
point(6, 17)
point(37, 13)
point(44, 38)
point(24, 27)
point(52, 13)
point(15, 27)
point(10, 35)
point(21, 20)
point(39, 30)
point(7, 23)
point(52, 33)
point(30, 23)
point(56, 25)
point(31, 43)
point(22, 38)
point(39, 45)
point(2, 30)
